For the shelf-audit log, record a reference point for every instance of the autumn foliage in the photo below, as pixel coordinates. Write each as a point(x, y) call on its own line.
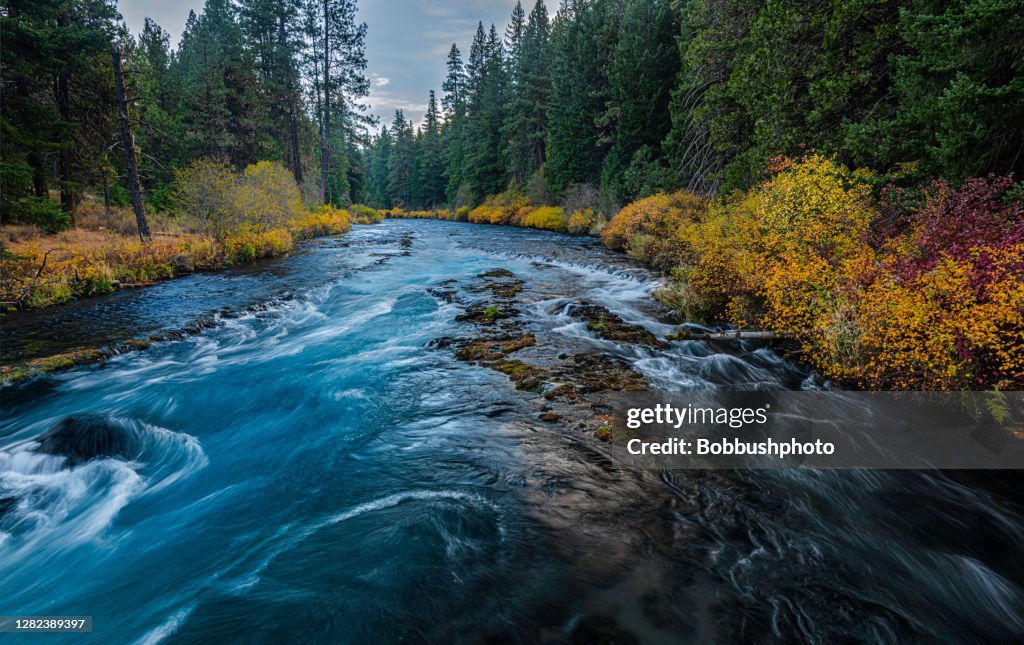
point(918, 290)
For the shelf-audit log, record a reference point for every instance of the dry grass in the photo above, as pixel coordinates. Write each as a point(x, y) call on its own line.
point(92, 215)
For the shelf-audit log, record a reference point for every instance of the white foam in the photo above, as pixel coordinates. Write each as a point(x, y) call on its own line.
point(168, 627)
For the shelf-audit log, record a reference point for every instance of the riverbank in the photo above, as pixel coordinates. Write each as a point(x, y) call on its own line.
point(221, 218)
point(877, 288)
point(44, 270)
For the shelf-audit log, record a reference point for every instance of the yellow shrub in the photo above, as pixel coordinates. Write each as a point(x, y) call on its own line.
point(204, 192)
point(360, 214)
point(323, 220)
point(581, 222)
point(268, 196)
point(549, 218)
point(918, 334)
point(498, 209)
point(247, 245)
point(480, 215)
point(85, 263)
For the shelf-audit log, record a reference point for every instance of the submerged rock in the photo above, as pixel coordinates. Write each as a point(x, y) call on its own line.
point(83, 437)
point(601, 630)
point(7, 504)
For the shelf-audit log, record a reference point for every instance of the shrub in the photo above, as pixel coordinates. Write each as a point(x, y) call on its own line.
point(268, 196)
point(581, 222)
point(263, 198)
point(665, 218)
point(248, 245)
point(84, 263)
point(580, 198)
point(204, 191)
point(639, 246)
point(42, 212)
point(361, 214)
point(323, 220)
point(930, 297)
point(548, 218)
point(944, 307)
point(499, 209)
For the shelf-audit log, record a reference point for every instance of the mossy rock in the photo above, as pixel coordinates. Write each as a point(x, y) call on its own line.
point(563, 392)
point(526, 340)
point(506, 290)
point(526, 377)
point(496, 273)
point(484, 315)
point(610, 327)
point(486, 350)
point(598, 372)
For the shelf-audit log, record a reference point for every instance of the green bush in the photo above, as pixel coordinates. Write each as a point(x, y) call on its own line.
point(361, 214)
point(43, 212)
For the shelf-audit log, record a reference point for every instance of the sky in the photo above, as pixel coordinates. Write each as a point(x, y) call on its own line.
point(407, 41)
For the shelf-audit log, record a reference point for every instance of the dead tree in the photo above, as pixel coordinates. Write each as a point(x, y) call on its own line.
point(128, 143)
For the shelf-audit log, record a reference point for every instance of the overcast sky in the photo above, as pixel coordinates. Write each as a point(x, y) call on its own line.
point(406, 46)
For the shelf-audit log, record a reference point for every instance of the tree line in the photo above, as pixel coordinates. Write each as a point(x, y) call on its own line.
point(611, 100)
point(621, 99)
point(250, 80)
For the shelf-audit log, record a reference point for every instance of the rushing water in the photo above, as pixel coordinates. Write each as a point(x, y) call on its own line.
point(316, 470)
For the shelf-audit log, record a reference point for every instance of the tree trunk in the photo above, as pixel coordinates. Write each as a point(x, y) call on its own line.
point(67, 196)
point(128, 142)
point(293, 134)
point(288, 70)
point(325, 136)
point(732, 335)
point(106, 196)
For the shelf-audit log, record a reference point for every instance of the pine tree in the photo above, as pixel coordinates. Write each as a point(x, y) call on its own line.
point(224, 117)
point(378, 163)
point(273, 33)
point(581, 39)
point(485, 152)
point(453, 132)
point(514, 34)
point(400, 164)
point(433, 182)
point(336, 67)
point(526, 125)
point(159, 132)
point(638, 112)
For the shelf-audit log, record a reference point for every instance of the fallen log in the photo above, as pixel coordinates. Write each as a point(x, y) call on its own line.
point(733, 334)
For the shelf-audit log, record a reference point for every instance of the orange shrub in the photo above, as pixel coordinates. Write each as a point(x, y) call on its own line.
point(654, 229)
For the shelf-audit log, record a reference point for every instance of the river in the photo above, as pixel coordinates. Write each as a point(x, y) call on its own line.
point(314, 468)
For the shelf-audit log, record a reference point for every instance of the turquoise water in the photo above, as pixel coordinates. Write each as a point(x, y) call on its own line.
point(317, 470)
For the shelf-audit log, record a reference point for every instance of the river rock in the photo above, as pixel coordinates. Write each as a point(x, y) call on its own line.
point(87, 436)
